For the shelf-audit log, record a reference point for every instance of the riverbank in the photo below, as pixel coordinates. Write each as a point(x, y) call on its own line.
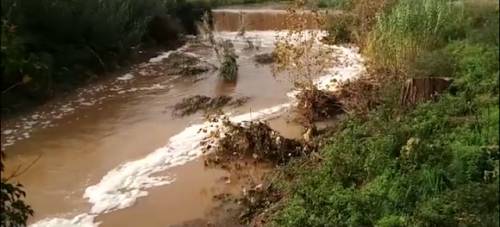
point(136, 159)
point(396, 161)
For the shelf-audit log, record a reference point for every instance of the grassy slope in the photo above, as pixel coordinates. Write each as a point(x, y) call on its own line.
point(434, 165)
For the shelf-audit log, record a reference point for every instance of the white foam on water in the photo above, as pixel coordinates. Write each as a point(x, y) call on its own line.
point(122, 186)
point(82, 220)
point(7, 131)
point(267, 38)
point(127, 76)
point(60, 110)
point(350, 66)
point(160, 57)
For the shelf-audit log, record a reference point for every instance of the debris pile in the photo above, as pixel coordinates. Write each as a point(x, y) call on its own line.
point(174, 63)
point(314, 104)
point(256, 200)
point(195, 103)
point(251, 140)
point(265, 58)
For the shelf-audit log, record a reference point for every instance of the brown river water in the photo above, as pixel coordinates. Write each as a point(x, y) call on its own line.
point(112, 154)
point(85, 140)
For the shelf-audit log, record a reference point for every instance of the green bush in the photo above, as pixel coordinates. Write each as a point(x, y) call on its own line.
point(79, 33)
point(15, 211)
point(215, 3)
point(433, 63)
point(229, 65)
point(422, 170)
point(53, 45)
point(56, 42)
point(434, 165)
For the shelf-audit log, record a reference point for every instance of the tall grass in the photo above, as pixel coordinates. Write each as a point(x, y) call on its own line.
point(436, 164)
point(410, 28)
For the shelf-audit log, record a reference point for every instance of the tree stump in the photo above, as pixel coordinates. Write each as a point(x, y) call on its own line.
point(422, 89)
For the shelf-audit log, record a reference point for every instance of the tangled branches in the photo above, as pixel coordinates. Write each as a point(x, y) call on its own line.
point(253, 140)
point(224, 51)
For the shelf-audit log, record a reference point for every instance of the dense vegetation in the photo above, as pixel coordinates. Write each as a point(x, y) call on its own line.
point(434, 164)
point(50, 46)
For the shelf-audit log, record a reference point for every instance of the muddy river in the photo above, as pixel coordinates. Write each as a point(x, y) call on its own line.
point(112, 154)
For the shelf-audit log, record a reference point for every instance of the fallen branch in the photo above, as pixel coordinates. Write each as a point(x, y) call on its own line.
point(18, 172)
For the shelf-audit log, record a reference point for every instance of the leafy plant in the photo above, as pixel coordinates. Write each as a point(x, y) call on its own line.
point(229, 65)
point(60, 44)
point(15, 211)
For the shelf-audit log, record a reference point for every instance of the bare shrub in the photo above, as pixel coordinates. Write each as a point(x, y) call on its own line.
point(314, 104)
point(300, 53)
point(254, 140)
point(224, 51)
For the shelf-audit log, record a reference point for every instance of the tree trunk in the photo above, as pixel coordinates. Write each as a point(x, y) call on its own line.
point(422, 89)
